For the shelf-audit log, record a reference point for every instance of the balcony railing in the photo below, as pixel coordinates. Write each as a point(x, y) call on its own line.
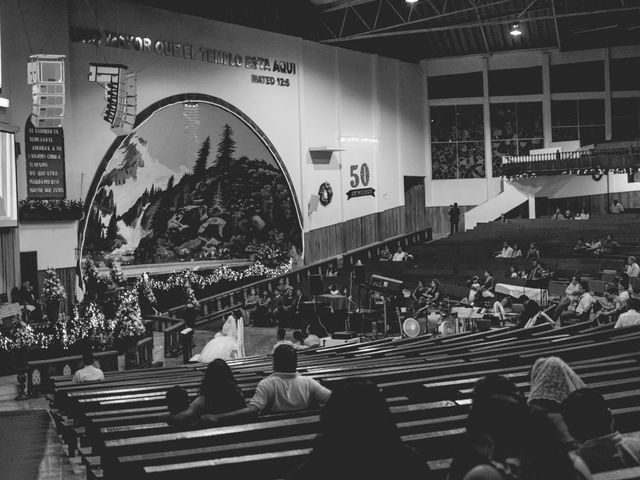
point(584, 162)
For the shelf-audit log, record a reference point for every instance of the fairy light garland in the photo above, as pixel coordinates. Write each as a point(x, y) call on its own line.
point(578, 171)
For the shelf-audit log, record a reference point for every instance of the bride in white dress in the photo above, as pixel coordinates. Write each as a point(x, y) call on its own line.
point(226, 344)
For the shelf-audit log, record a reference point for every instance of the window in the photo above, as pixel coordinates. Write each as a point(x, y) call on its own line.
point(457, 142)
point(581, 120)
point(624, 73)
point(625, 118)
point(515, 81)
point(577, 77)
point(516, 128)
point(462, 85)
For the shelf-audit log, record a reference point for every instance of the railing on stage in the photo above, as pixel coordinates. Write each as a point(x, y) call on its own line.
point(170, 328)
point(218, 306)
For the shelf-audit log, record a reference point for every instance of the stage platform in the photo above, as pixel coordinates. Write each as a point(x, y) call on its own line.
point(170, 267)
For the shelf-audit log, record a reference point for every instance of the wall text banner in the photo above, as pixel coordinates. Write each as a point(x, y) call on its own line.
point(359, 179)
point(44, 150)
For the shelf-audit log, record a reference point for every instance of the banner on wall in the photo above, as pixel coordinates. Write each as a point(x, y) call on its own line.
point(44, 152)
point(359, 180)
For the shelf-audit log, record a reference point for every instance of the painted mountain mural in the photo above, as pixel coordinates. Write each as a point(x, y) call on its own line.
point(193, 182)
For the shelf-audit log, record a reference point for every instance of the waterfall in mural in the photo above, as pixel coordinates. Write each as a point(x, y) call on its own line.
point(178, 189)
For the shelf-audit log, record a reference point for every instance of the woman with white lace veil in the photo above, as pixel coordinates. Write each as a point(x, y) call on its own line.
point(226, 344)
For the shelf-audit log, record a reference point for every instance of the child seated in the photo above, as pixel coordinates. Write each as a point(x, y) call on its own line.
point(177, 399)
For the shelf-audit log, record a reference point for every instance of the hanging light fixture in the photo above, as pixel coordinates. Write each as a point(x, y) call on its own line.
point(411, 1)
point(515, 29)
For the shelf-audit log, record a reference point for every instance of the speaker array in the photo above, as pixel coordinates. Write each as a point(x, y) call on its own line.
point(120, 94)
point(45, 74)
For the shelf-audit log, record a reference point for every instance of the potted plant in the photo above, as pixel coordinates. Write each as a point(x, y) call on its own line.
point(53, 293)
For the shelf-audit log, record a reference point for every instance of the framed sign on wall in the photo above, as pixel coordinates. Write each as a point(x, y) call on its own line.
point(44, 150)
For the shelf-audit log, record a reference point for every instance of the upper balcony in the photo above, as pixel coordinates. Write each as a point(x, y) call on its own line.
point(582, 162)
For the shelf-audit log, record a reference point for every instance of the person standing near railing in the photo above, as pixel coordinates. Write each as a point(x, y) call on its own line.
point(454, 218)
point(617, 208)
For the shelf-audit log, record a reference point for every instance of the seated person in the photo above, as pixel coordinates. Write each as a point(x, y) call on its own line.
point(632, 270)
point(385, 254)
point(286, 305)
point(609, 245)
point(298, 340)
point(419, 291)
point(281, 335)
point(264, 310)
point(631, 316)
point(488, 289)
point(580, 247)
point(88, 373)
point(624, 293)
point(583, 215)
point(531, 309)
point(538, 271)
point(571, 296)
point(250, 306)
point(617, 208)
point(594, 246)
point(582, 307)
point(517, 252)
point(284, 390)
point(568, 215)
point(282, 286)
point(506, 252)
point(177, 400)
point(433, 292)
point(609, 309)
point(512, 272)
point(333, 289)
point(313, 339)
point(590, 422)
point(522, 273)
point(557, 215)
point(533, 253)
point(401, 255)
point(219, 393)
point(331, 272)
point(474, 288)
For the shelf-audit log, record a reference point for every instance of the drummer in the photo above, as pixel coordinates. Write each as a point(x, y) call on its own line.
point(433, 292)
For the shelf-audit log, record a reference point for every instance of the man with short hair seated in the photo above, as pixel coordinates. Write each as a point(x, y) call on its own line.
point(284, 390)
point(582, 308)
point(590, 422)
point(631, 316)
point(88, 373)
point(633, 270)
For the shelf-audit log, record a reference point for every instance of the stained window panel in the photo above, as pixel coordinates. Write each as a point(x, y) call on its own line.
point(444, 161)
point(443, 124)
point(469, 122)
point(471, 160)
point(529, 119)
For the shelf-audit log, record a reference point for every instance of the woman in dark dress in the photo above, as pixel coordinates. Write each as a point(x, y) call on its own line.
point(219, 393)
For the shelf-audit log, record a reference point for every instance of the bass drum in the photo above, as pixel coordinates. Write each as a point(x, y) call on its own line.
point(412, 327)
point(446, 328)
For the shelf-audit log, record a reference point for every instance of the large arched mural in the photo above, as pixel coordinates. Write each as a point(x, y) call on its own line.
point(195, 180)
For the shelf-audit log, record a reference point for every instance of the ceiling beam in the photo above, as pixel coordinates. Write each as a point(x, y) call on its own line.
point(555, 23)
point(484, 34)
point(384, 32)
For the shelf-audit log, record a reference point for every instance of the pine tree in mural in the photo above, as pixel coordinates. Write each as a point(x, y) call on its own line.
point(112, 229)
point(217, 202)
point(226, 147)
point(171, 181)
point(200, 168)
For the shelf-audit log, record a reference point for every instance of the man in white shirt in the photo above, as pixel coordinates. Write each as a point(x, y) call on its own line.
point(582, 308)
point(88, 373)
point(400, 255)
point(633, 270)
point(631, 316)
point(284, 390)
point(617, 208)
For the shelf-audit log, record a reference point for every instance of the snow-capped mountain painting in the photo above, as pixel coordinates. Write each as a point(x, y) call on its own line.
point(192, 182)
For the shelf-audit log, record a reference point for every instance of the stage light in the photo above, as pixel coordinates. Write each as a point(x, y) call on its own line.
point(515, 29)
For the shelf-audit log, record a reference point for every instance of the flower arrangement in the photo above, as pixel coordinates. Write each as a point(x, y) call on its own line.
point(52, 290)
point(23, 337)
point(145, 292)
point(51, 209)
point(128, 321)
point(116, 275)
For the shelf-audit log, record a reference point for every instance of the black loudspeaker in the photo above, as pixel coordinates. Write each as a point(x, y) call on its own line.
point(315, 284)
point(359, 273)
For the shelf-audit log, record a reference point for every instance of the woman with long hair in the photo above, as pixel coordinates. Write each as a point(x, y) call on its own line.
point(219, 393)
point(360, 440)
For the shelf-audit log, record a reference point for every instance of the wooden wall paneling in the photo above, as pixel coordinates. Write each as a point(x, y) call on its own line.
point(594, 204)
point(9, 260)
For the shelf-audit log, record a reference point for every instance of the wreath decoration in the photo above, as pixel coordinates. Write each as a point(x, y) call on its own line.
point(597, 176)
point(325, 193)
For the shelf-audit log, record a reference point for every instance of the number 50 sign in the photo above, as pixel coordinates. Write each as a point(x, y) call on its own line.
point(360, 178)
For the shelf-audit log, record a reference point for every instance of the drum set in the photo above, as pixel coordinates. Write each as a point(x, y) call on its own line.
point(441, 319)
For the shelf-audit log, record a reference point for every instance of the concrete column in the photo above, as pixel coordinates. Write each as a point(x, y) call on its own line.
point(546, 99)
point(487, 128)
point(532, 205)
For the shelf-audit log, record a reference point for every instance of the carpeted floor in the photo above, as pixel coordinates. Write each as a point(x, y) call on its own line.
point(23, 442)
